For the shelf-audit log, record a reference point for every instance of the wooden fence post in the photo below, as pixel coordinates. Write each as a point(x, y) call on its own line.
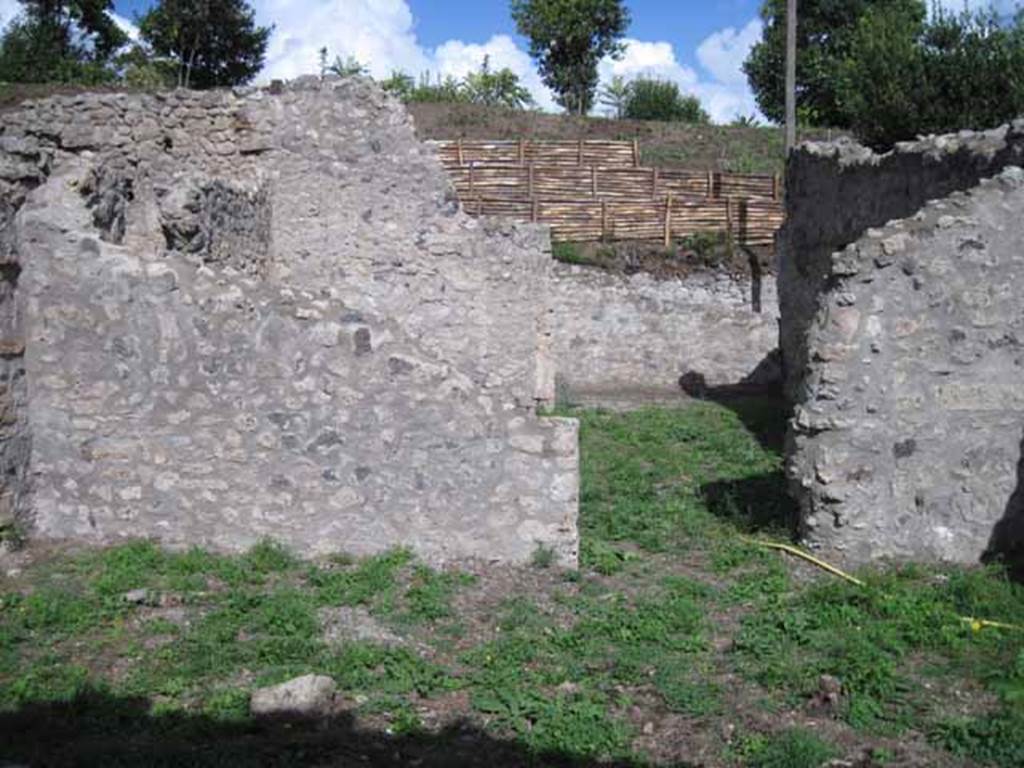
point(458, 152)
point(654, 182)
point(593, 181)
point(522, 152)
point(579, 153)
point(728, 227)
point(471, 165)
point(604, 219)
point(668, 220)
point(775, 187)
point(529, 182)
point(636, 153)
point(534, 211)
point(711, 185)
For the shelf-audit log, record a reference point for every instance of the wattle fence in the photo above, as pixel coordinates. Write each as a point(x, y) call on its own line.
point(597, 190)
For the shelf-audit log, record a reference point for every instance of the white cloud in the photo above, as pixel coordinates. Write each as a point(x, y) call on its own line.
point(382, 35)
point(379, 33)
point(457, 59)
point(8, 10)
point(724, 92)
point(127, 26)
point(723, 53)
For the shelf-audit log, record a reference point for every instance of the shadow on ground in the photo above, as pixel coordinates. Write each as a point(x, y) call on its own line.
point(103, 730)
point(1006, 545)
point(758, 502)
point(757, 400)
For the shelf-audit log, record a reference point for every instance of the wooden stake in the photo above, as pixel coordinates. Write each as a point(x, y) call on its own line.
point(604, 219)
point(636, 153)
point(522, 152)
point(458, 152)
point(579, 153)
point(711, 185)
point(593, 181)
point(728, 225)
point(471, 179)
point(775, 187)
point(668, 220)
point(529, 183)
point(534, 210)
point(654, 182)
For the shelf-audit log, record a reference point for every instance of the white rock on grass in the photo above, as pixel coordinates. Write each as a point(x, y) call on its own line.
point(308, 695)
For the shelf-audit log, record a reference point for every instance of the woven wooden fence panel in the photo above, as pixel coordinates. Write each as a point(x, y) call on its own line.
point(596, 190)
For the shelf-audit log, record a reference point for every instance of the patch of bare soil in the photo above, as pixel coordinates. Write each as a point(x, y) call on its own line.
point(678, 261)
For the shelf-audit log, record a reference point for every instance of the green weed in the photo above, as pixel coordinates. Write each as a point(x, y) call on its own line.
point(865, 635)
point(991, 739)
point(374, 579)
point(543, 557)
point(566, 252)
point(792, 748)
point(430, 593)
point(368, 668)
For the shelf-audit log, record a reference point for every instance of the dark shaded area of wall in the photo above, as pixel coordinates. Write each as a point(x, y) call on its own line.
point(1007, 543)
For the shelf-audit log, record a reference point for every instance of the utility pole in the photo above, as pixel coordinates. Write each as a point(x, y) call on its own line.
point(790, 75)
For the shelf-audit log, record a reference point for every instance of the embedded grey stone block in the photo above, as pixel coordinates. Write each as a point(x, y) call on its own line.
point(306, 696)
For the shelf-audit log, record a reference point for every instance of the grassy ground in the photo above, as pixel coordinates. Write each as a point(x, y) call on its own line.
point(738, 149)
point(676, 643)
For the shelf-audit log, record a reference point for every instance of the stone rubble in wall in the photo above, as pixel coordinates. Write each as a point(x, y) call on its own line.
point(902, 337)
point(264, 314)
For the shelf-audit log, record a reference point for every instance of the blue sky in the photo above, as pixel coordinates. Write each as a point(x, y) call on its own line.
point(700, 44)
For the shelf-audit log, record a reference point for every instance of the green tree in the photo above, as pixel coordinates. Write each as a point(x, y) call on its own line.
point(906, 76)
point(824, 32)
point(614, 96)
point(567, 40)
point(212, 42)
point(499, 88)
point(651, 99)
point(60, 41)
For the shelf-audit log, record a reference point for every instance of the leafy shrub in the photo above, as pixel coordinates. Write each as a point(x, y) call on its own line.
point(650, 99)
point(904, 77)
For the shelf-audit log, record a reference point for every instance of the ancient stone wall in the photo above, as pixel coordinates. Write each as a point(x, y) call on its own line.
point(903, 342)
point(251, 314)
point(616, 333)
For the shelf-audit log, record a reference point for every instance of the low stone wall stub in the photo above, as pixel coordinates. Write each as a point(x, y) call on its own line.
point(615, 333)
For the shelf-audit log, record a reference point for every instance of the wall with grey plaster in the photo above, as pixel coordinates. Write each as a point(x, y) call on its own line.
point(903, 340)
point(616, 333)
point(250, 314)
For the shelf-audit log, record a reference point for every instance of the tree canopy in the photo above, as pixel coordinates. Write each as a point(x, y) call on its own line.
point(824, 32)
point(60, 42)
point(905, 76)
point(212, 42)
point(567, 40)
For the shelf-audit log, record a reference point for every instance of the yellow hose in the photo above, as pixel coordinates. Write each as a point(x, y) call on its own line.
point(976, 624)
point(806, 556)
